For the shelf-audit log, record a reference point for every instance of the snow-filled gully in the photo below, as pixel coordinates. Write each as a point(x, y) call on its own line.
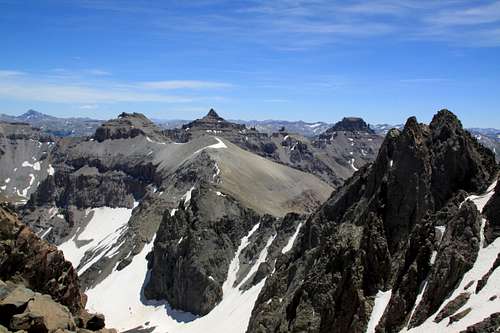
point(129, 309)
point(481, 306)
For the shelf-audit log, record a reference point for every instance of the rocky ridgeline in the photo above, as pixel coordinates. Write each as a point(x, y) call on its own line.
point(23, 131)
point(332, 156)
point(383, 232)
point(39, 290)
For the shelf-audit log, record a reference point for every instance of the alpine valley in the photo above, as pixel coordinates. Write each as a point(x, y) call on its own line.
point(140, 226)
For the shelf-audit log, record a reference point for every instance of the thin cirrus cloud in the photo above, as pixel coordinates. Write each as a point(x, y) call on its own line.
point(9, 73)
point(184, 84)
point(284, 24)
point(24, 86)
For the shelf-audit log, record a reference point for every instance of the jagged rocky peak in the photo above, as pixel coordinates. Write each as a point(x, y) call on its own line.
point(351, 124)
point(128, 125)
point(212, 122)
point(394, 225)
point(212, 116)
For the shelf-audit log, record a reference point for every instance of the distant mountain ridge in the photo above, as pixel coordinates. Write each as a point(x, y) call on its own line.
point(82, 126)
point(62, 127)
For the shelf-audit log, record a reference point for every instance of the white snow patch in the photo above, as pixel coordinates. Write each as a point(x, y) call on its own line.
point(50, 170)
point(480, 304)
point(129, 309)
point(7, 181)
point(262, 258)
point(46, 233)
point(314, 125)
point(220, 194)
point(351, 163)
point(234, 266)
point(220, 144)
point(172, 212)
point(391, 163)
point(289, 245)
point(3, 188)
point(381, 300)
point(187, 196)
point(152, 141)
point(103, 230)
point(442, 229)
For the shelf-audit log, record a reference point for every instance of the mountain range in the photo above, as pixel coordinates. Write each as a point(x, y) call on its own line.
point(79, 126)
point(212, 225)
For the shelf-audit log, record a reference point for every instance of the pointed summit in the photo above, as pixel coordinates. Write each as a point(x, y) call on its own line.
point(212, 121)
point(212, 114)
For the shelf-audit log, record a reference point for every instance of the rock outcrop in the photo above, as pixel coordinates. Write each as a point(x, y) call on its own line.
point(351, 124)
point(128, 125)
point(381, 232)
point(39, 289)
point(37, 264)
point(195, 244)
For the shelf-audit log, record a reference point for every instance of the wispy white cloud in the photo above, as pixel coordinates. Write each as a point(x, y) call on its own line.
point(285, 24)
point(97, 72)
point(89, 106)
point(68, 88)
point(10, 73)
point(425, 80)
point(184, 84)
point(474, 14)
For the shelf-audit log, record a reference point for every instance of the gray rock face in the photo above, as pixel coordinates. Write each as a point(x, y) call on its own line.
point(492, 214)
point(378, 232)
point(194, 247)
point(25, 160)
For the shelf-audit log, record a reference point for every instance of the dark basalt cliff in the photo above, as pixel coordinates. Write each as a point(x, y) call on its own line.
point(382, 231)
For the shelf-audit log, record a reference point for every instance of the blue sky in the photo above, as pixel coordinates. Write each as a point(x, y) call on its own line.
point(313, 60)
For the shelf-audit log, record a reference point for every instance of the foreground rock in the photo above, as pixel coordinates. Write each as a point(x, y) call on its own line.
point(39, 289)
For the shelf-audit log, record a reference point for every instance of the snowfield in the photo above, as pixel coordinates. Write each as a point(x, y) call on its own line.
point(120, 297)
point(101, 234)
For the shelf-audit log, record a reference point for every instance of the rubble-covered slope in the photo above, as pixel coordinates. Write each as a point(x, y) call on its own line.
point(332, 156)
